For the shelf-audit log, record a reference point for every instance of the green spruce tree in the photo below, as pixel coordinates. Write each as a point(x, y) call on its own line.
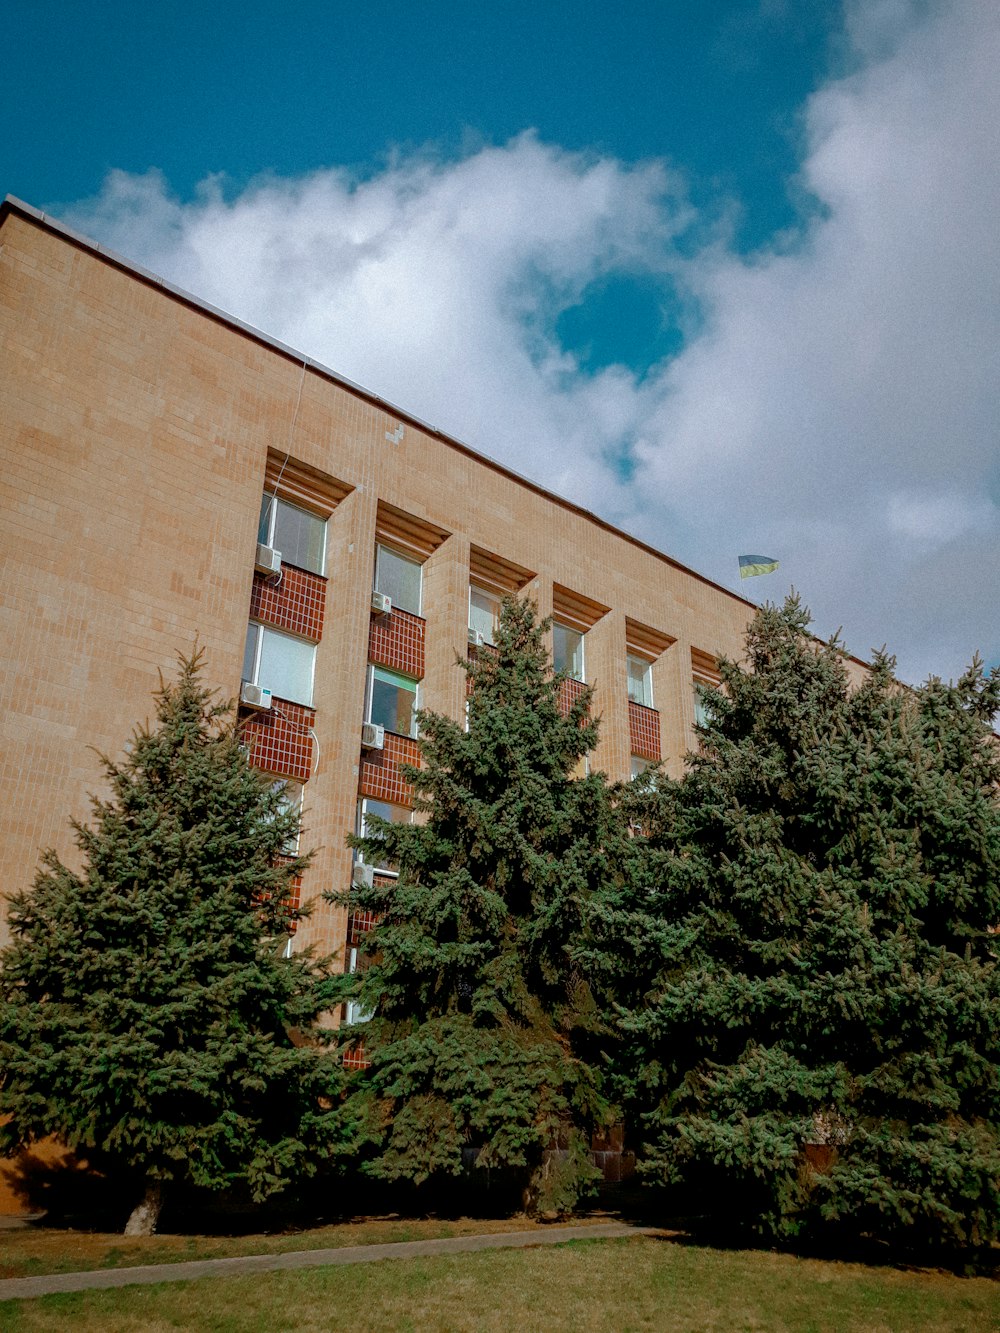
point(147, 1016)
point(482, 1040)
point(812, 1011)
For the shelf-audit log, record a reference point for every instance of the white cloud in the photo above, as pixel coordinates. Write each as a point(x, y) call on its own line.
point(837, 405)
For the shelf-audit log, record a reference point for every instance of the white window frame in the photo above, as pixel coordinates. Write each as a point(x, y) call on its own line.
point(647, 679)
point(360, 829)
point(700, 709)
point(293, 790)
point(370, 695)
point(272, 517)
point(496, 599)
point(400, 555)
point(582, 677)
point(355, 1013)
point(254, 677)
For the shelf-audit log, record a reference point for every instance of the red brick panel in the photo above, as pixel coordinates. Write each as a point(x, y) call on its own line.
point(359, 924)
point(478, 650)
point(569, 692)
point(644, 730)
point(355, 1057)
point(380, 776)
point(294, 602)
point(279, 739)
point(396, 641)
point(294, 899)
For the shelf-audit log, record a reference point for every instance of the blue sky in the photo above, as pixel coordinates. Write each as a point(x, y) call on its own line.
point(725, 273)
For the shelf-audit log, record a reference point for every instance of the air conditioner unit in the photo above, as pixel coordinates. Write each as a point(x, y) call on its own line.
point(268, 559)
point(362, 876)
point(476, 638)
point(254, 696)
point(373, 736)
point(381, 603)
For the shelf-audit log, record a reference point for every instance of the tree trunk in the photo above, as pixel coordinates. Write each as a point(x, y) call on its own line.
point(146, 1214)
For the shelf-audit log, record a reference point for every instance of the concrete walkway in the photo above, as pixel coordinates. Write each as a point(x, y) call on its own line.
point(25, 1288)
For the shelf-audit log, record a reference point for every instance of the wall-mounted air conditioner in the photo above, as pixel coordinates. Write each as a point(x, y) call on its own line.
point(254, 696)
point(362, 876)
point(381, 603)
point(268, 560)
point(476, 638)
point(373, 736)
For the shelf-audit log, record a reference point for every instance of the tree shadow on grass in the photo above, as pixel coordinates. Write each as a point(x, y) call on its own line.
point(692, 1221)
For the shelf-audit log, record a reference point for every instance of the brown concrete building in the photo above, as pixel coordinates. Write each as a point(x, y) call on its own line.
point(155, 451)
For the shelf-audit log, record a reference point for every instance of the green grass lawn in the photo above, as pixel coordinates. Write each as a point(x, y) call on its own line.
point(625, 1285)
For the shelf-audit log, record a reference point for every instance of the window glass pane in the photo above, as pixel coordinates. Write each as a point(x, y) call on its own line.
point(399, 578)
point(395, 814)
point(286, 666)
point(250, 653)
point(567, 650)
point(700, 709)
point(264, 526)
point(392, 701)
point(290, 800)
point(640, 681)
point(300, 537)
point(484, 612)
point(357, 962)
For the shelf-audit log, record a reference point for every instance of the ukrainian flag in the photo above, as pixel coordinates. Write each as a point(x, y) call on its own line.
point(756, 564)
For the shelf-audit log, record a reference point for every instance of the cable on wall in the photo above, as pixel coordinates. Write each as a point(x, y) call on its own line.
point(291, 432)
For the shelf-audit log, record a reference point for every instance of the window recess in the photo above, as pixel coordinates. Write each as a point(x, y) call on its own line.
point(640, 680)
point(573, 613)
point(290, 801)
point(567, 650)
point(704, 671)
point(299, 535)
point(399, 578)
point(354, 1012)
point(392, 701)
point(394, 814)
point(280, 663)
point(484, 615)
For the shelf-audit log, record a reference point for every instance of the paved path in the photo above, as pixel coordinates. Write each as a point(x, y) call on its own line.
point(23, 1288)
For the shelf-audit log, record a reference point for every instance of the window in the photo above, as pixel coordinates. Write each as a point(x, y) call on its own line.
point(392, 701)
point(700, 709)
point(297, 534)
point(290, 799)
point(395, 814)
point(639, 765)
point(640, 680)
point(484, 613)
point(280, 663)
point(399, 578)
point(355, 1012)
point(567, 650)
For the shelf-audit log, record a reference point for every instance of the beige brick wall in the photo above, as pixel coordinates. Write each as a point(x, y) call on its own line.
point(134, 429)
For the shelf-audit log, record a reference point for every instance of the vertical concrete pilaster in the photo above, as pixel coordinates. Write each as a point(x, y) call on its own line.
point(446, 608)
point(672, 696)
point(339, 697)
point(540, 592)
point(604, 658)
